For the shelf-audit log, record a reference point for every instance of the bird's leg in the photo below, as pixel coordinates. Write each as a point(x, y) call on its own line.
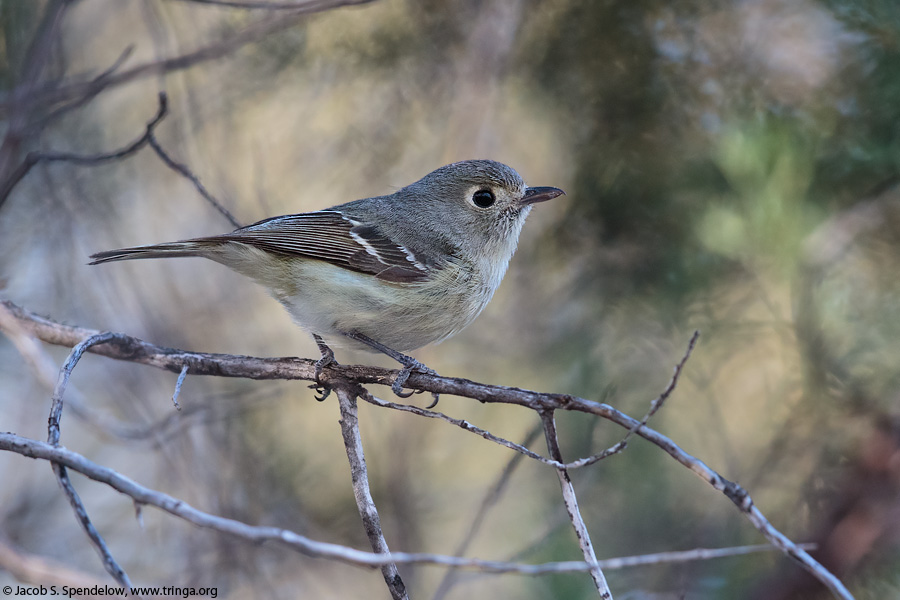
point(409, 364)
point(326, 360)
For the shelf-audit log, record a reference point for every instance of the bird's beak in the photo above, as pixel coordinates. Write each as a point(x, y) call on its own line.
point(540, 194)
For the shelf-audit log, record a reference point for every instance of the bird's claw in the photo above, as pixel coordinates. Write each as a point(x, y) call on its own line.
point(322, 390)
point(403, 376)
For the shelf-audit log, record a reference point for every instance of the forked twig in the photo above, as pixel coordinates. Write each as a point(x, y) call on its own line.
point(34, 158)
point(56, 405)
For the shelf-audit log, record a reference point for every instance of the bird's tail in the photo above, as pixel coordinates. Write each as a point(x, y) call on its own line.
point(198, 247)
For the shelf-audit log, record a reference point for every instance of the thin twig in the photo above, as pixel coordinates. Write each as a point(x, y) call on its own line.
point(109, 563)
point(571, 502)
point(226, 365)
point(461, 423)
point(56, 406)
point(33, 158)
point(466, 426)
point(655, 405)
point(185, 172)
point(364, 501)
point(93, 92)
point(255, 31)
point(56, 401)
point(142, 495)
point(178, 385)
point(40, 49)
point(676, 373)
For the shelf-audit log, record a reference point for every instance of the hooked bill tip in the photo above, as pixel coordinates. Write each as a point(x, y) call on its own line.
point(541, 194)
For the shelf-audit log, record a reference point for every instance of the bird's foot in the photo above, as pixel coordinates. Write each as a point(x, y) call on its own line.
point(409, 366)
point(327, 359)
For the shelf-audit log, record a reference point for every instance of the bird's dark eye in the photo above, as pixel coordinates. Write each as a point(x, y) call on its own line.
point(483, 198)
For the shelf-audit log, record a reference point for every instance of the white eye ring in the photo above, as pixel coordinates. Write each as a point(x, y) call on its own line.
point(483, 198)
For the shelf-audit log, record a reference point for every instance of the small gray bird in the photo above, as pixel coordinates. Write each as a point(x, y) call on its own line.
point(390, 273)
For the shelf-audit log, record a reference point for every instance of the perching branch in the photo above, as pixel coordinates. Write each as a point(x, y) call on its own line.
point(135, 350)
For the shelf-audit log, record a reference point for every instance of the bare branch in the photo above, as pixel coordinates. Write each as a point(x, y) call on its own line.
point(109, 563)
point(676, 373)
point(36, 125)
point(185, 172)
point(655, 405)
point(56, 405)
point(306, 546)
point(364, 502)
point(56, 402)
point(36, 58)
point(461, 423)
point(33, 158)
point(178, 384)
point(571, 502)
point(224, 365)
point(53, 95)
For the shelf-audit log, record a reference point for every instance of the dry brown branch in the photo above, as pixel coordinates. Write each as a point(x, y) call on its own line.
point(223, 365)
point(461, 423)
point(364, 502)
point(466, 426)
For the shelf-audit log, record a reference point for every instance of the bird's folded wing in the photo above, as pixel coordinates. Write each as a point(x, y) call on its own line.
point(331, 236)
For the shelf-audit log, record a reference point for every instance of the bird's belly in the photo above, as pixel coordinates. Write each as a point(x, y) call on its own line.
point(331, 301)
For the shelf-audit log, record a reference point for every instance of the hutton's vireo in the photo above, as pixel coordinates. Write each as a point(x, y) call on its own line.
point(394, 272)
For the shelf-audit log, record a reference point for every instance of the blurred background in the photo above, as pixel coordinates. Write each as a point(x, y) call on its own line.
point(731, 166)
